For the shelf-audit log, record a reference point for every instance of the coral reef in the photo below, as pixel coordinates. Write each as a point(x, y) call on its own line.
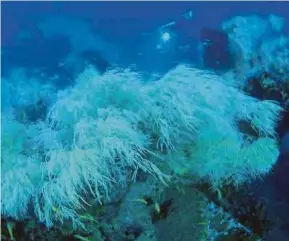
point(116, 156)
point(99, 133)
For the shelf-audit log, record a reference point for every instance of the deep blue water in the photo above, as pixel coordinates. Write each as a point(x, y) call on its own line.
point(130, 30)
point(127, 20)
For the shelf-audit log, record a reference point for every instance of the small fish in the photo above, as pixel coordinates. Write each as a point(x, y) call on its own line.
point(141, 200)
point(157, 208)
point(56, 210)
point(10, 227)
point(81, 238)
point(87, 217)
point(203, 223)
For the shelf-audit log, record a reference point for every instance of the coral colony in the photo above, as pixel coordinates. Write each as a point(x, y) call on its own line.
point(108, 147)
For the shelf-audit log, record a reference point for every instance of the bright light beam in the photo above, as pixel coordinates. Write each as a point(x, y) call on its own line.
point(166, 36)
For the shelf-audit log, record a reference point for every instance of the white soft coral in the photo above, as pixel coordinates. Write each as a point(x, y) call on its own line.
point(103, 130)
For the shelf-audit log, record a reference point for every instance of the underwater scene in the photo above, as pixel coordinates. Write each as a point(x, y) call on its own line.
point(144, 121)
